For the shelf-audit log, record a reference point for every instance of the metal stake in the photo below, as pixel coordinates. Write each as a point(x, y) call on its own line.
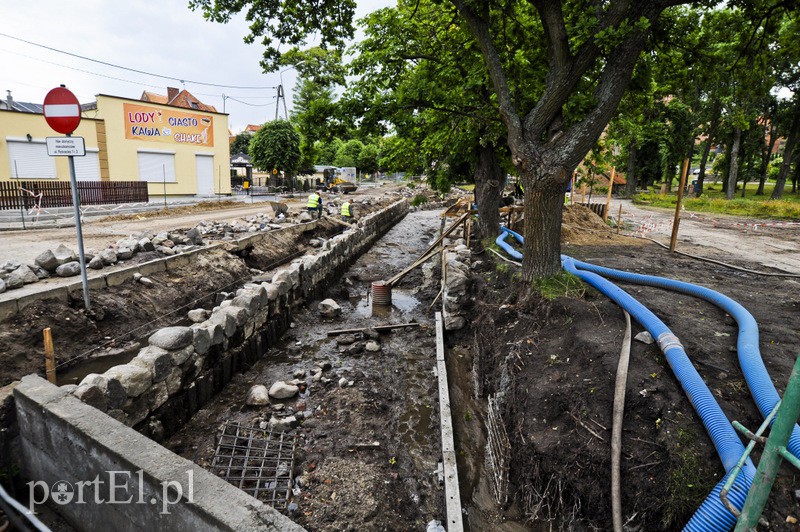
point(76, 203)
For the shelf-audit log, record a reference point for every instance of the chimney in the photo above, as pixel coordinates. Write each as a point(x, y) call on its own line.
point(172, 93)
point(10, 100)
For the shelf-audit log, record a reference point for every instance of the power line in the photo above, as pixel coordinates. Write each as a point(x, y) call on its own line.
point(252, 104)
point(131, 69)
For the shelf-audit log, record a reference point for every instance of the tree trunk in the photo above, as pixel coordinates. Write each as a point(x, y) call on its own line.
point(733, 171)
point(698, 190)
point(630, 185)
point(795, 177)
point(544, 201)
point(788, 152)
point(763, 170)
point(488, 180)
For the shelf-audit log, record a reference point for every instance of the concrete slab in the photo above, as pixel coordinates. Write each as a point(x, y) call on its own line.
point(120, 276)
point(153, 266)
point(59, 293)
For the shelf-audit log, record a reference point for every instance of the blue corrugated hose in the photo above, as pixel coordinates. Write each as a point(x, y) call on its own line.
point(711, 515)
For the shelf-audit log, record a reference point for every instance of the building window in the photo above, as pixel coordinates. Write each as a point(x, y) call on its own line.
point(157, 167)
point(194, 105)
point(29, 160)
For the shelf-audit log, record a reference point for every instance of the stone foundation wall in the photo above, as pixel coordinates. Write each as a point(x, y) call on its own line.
point(183, 367)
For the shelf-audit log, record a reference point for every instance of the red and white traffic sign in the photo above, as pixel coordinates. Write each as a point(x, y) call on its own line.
point(62, 110)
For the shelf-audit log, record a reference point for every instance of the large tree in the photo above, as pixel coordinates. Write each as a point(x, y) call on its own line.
point(276, 146)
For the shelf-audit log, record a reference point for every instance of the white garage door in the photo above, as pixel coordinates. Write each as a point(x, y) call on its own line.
point(87, 168)
point(157, 167)
point(29, 160)
point(205, 175)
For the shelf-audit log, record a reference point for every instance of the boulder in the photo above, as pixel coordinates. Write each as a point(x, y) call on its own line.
point(124, 253)
point(146, 245)
point(155, 359)
point(135, 379)
point(198, 315)
point(64, 255)
point(108, 256)
point(22, 275)
point(10, 265)
point(454, 323)
point(92, 395)
point(305, 217)
point(282, 390)
point(47, 260)
point(2, 286)
point(645, 337)
point(96, 263)
point(181, 355)
point(171, 338)
point(113, 390)
point(257, 396)
point(202, 339)
point(328, 308)
point(195, 237)
point(40, 272)
point(283, 424)
point(69, 269)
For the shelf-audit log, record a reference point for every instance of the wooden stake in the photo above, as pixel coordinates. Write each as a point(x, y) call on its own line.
point(677, 221)
point(49, 356)
point(619, 217)
point(469, 229)
point(608, 196)
point(583, 193)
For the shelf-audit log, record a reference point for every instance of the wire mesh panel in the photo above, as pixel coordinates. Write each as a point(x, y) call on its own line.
point(257, 461)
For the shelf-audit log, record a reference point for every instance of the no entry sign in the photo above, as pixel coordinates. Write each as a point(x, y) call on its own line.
point(62, 110)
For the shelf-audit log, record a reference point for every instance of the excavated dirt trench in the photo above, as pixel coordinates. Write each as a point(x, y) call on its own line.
point(369, 441)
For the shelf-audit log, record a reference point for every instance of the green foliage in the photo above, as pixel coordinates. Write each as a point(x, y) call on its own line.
point(689, 481)
point(560, 285)
point(276, 145)
point(241, 143)
point(419, 199)
point(285, 22)
point(787, 208)
point(328, 150)
point(367, 160)
point(347, 154)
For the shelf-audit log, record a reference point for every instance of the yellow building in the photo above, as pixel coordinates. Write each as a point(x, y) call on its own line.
point(179, 151)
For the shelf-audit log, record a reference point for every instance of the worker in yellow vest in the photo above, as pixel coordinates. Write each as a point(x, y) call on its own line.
point(347, 212)
point(315, 204)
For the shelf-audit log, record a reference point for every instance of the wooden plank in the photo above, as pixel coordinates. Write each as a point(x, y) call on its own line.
point(378, 328)
point(452, 494)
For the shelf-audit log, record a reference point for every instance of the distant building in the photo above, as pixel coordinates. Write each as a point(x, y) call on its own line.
point(179, 148)
point(252, 129)
point(177, 98)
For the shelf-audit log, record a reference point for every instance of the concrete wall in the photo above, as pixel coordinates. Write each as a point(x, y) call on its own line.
point(167, 382)
point(62, 439)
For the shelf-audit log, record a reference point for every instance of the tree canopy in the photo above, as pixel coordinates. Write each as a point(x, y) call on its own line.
point(276, 146)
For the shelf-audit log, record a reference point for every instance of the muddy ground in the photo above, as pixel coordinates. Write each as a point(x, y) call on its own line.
point(368, 446)
point(556, 360)
point(123, 316)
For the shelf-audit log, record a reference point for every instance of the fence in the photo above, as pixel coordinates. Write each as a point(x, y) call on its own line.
point(26, 194)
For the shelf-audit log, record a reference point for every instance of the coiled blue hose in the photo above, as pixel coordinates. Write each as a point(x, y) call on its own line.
point(755, 373)
point(501, 241)
point(712, 515)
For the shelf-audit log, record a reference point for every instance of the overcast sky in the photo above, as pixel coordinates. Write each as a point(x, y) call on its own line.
point(164, 37)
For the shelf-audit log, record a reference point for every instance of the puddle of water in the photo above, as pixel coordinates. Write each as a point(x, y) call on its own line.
point(402, 303)
point(97, 365)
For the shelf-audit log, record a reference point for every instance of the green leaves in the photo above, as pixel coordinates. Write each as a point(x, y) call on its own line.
point(276, 146)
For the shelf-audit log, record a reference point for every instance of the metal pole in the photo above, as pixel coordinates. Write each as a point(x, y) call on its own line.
point(21, 197)
point(76, 202)
point(771, 458)
point(677, 221)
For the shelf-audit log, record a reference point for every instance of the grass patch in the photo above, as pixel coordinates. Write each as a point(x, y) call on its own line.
point(560, 285)
point(689, 481)
point(714, 201)
point(419, 199)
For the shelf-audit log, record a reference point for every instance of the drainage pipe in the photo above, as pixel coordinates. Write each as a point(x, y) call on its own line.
point(755, 373)
point(712, 514)
point(508, 248)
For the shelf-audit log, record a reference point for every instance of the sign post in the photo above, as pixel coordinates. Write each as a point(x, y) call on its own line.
point(62, 111)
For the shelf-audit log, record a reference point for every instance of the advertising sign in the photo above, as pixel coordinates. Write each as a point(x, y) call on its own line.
point(153, 124)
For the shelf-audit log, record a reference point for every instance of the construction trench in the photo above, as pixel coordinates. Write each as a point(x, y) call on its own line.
point(359, 442)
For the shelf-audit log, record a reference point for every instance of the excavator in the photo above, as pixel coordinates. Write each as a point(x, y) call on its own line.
point(333, 181)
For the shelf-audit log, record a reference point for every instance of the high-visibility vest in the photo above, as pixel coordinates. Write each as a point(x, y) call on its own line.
point(346, 209)
point(313, 201)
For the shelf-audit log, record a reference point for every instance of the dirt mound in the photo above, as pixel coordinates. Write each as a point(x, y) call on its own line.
point(580, 225)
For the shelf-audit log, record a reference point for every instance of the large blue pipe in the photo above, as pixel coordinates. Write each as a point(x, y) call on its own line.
point(755, 373)
point(501, 241)
point(711, 515)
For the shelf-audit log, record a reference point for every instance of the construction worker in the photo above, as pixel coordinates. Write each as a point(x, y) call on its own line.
point(347, 212)
point(315, 204)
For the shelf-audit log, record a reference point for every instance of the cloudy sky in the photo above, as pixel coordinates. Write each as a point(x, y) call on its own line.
point(164, 38)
